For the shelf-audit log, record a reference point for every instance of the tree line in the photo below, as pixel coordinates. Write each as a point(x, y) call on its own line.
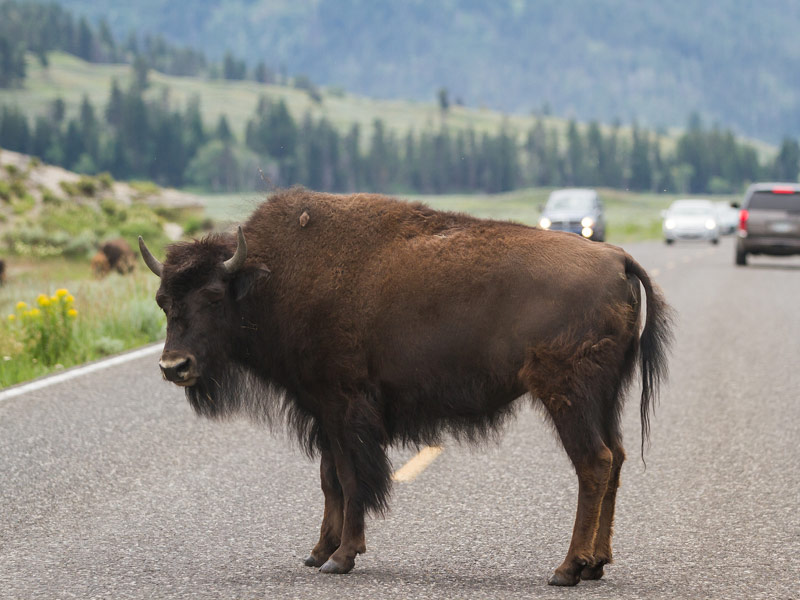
point(43, 28)
point(136, 137)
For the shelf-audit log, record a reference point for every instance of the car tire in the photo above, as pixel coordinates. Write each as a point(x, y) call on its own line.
point(741, 257)
point(715, 241)
point(668, 241)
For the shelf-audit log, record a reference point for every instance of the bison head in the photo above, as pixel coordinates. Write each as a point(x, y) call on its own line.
point(205, 287)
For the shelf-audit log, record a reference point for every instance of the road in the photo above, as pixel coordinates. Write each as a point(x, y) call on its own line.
point(111, 488)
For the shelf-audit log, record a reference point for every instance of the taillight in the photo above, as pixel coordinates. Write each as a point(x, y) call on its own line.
point(743, 216)
point(783, 190)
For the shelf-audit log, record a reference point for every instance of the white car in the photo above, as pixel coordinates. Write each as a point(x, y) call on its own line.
point(691, 219)
point(727, 217)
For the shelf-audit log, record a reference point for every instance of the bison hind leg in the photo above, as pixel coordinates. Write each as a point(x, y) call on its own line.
point(579, 387)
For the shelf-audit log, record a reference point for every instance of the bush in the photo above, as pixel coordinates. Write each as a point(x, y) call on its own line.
point(86, 186)
point(105, 180)
point(108, 345)
point(5, 191)
point(47, 330)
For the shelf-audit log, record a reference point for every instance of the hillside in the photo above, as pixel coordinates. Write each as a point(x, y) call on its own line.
point(69, 78)
point(734, 62)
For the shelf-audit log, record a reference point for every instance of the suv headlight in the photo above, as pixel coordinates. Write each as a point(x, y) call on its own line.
point(669, 224)
point(711, 224)
point(545, 223)
point(587, 222)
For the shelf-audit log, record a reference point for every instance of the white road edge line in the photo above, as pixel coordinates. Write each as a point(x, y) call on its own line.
point(80, 371)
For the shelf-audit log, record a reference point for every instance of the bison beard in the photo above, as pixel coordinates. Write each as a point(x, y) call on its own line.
point(365, 322)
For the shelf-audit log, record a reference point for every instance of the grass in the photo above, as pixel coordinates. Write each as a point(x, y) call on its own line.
point(114, 314)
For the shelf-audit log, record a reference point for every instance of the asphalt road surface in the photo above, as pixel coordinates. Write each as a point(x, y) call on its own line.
point(110, 487)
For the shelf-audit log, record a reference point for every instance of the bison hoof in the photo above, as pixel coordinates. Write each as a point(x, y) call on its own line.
point(332, 567)
point(593, 572)
point(562, 578)
point(310, 561)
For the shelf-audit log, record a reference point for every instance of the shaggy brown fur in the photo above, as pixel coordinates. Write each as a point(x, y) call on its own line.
point(113, 255)
point(372, 322)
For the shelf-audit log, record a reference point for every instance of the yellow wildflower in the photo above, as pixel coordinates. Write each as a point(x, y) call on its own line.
point(61, 292)
point(54, 299)
point(34, 312)
point(43, 300)
point(21, 305)
point(12, 317)
point(72, 313)
point(69, 299)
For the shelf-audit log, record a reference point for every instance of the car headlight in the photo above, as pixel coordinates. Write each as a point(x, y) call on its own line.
point(587, 222)
point(669, 224)
point(711, 224)
point(587, 232)
point(545, 223)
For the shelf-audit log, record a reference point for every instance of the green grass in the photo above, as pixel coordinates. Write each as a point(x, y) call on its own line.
point(114, 314)
point(631, 216)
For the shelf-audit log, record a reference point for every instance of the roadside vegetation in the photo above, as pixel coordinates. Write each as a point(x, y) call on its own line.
point(54, 317)
point(54, 312)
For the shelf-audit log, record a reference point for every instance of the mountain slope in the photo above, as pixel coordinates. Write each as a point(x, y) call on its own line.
point(656, 62)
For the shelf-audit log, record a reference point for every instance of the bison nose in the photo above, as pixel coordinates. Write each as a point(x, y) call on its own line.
point(180, 369)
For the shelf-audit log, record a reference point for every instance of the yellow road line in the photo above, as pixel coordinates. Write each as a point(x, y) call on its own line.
point(415, 466)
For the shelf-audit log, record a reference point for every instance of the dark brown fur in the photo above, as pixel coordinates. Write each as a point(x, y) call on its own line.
point(113, 255)
point(381, 322)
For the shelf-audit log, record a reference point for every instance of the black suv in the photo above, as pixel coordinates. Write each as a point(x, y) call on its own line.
point(769, 222)
point(577, 210)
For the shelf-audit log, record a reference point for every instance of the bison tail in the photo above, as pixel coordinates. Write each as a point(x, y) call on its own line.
point(654, 344)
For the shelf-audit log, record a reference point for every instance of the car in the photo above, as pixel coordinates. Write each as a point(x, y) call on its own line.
point(576, 210)
point(727, 217)
point(690, 219)
point(769, 222)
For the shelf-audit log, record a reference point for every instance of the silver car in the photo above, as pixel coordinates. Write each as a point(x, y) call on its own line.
point(691, 219)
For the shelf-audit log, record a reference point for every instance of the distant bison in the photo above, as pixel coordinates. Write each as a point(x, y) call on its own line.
point(369, 322)
point(114, 255)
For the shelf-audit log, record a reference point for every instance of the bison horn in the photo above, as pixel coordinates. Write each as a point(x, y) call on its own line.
point(150, 260)
point(235, 262)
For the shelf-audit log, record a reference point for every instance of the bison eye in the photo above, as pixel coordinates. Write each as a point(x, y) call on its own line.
point(162, 301)
point(213, 295)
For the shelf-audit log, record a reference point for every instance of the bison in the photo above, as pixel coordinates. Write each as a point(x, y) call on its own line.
point(367, 322)
point(113, 255)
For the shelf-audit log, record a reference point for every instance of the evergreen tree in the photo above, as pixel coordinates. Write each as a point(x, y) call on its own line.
point(12, 62)
point(84, 42)
point(140, 73)
point(787, 163)
point(89, 128)
point(641, 169)
point(115, 106)
point(14, 130)
point(262, 74)
point(223, 130)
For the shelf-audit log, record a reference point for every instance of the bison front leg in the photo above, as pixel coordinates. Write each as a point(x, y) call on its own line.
point(330, 534)
point(364, 474)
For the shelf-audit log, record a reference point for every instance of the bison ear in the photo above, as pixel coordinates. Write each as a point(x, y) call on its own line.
point(247, 278)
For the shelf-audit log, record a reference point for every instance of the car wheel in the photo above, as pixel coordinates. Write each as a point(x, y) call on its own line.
point(741, 257)
point(715, 241)
point(668, 241)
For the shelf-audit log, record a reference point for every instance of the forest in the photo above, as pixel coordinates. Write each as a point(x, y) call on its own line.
point(134, 136)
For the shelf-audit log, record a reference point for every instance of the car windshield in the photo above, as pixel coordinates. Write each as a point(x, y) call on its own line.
point(570, 202)
point(690, 208)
